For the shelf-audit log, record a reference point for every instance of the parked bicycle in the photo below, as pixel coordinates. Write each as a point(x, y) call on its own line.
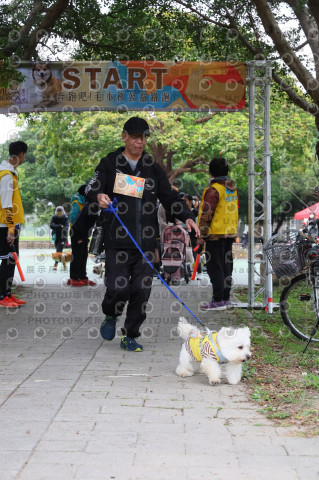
point(294, 257)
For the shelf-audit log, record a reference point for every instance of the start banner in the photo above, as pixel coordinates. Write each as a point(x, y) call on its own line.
point(127, 85)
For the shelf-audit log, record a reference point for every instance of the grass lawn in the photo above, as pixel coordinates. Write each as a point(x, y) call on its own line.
point(33, 238)
point(283, 380)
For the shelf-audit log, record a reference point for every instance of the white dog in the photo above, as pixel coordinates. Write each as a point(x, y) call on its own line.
point(99, 269)
point(207, 350)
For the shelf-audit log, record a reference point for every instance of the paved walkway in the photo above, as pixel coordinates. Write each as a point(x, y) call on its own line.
point(37, 266)
point(75, 407)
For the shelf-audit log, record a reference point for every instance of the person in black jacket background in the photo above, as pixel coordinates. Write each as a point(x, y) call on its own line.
point(128, 276)
point(82, 220)
point(59, 225)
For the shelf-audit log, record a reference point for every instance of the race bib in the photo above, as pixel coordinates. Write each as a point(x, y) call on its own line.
point(129, 185)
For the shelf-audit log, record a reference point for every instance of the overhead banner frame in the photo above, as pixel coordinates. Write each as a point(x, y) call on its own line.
point(127, 85)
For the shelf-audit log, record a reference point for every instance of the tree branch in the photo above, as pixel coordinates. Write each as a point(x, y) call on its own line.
point(314, 9)
point(309, 27)
point(294, 97)
point(179, 171)
point(11, 46)
point(52, 15)
point(188, 166)
point(200, 14)
point(206, 119)
point(286, 52)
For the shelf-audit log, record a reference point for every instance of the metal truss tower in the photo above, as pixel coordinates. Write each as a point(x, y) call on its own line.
point(259, 78)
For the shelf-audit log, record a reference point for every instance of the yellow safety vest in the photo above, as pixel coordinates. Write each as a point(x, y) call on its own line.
point(225, 219)
point(197, 342)
point(17, 208)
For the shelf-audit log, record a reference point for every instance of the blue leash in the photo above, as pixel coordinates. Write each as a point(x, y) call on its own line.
point(112, 208)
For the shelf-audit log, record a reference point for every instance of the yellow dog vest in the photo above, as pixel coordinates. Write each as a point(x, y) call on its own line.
point(196, 343)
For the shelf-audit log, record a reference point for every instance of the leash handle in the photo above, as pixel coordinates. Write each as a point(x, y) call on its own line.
point(112, 208)
point(195, 266)
point(15, 256)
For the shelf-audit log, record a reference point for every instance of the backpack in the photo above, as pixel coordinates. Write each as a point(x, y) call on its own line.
point(77, 203)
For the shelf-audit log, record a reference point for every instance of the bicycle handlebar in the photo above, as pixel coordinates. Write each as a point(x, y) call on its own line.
point(307, 237)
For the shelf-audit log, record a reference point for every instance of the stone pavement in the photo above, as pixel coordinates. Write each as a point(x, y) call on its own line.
point(75, 407)
point(37, 266)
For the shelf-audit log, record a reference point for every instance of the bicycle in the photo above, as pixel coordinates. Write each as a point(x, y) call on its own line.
point(294, 257)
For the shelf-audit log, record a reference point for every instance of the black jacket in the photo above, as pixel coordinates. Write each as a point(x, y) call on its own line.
point(60, 226)
point(139, 215)
point(85, 220)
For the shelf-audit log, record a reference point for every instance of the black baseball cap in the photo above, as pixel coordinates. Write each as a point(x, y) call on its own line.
point(136, 125)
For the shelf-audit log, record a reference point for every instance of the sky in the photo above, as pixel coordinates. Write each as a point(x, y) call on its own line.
point(8, 130)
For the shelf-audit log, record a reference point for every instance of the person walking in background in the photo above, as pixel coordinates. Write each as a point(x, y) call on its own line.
point(11, 217)
point(82, 220)
point(244, 240)
point(165, 217)
point(136, 180)
point(195, 205)
point(59, 225)
point(218, 222)
point(188, 199)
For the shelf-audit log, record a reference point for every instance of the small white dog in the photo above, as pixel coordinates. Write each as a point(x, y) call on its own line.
point(207, 350)
point(99, 269)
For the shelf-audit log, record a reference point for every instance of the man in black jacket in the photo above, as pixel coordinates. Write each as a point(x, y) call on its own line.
point(128, 275)
point(59, 225)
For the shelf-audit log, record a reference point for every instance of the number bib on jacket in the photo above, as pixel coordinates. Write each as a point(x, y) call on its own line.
point(129, 185)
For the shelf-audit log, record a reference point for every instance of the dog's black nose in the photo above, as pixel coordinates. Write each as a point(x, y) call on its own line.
point(248, 356)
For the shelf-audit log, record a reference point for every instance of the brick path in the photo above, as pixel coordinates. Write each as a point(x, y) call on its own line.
point(75, 407)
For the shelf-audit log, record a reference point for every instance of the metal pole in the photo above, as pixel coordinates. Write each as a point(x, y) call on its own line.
point(251, 184)
point(268, 291)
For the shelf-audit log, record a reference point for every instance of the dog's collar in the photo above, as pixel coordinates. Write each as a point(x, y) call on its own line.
point(215, 347)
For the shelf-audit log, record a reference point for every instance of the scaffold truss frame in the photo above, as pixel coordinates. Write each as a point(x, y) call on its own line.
point(259, 78)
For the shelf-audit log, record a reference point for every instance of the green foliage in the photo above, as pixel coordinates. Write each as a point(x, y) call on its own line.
point(312, 380)
point(9, 75)
point(65, 148)
point(138, 30)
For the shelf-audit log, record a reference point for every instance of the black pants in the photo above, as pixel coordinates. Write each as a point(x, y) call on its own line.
point(79, 247)
point(128, 278)
point(59, 242)
point(59, 246)
point(7, 261)
point(219, 261)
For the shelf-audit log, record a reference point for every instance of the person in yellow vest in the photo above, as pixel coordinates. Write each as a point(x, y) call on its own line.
point(218, 222)
point(11, 216)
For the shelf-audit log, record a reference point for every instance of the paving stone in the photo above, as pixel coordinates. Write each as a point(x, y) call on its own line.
point(35, 470)
point(78, 407)
point(224, 455)
point(62, 445)
point(299, 446)
point(8, 474)
point(13, 459)
point(262, 466)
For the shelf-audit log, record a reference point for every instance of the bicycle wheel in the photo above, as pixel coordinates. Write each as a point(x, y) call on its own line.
point(298, 310)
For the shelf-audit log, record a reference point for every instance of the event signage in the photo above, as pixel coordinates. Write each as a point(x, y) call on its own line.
point(126, 85)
